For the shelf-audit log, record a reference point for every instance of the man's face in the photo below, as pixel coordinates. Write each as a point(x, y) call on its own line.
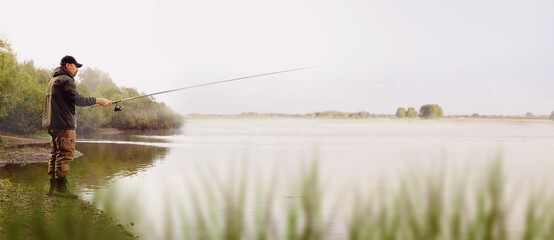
point(72, 69)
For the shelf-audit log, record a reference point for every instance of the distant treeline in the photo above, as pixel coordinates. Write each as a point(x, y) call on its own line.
point(427, 111)
point(326, 114)
point(23, 86)
point(526, 116)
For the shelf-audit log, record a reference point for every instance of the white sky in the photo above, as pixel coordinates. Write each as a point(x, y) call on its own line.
point(486, 57)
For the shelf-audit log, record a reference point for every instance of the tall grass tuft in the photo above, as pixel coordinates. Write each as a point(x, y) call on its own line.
point(423, 205)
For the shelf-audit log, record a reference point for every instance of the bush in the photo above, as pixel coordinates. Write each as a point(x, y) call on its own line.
point(401, 112)
point(412, 113)
point(22, 89)
point(430, 111)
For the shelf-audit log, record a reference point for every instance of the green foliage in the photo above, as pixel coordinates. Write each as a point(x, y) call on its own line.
point(22, 88)
point(88, 118)
point(422, 205)
point(342, 115)
point(412, 113)
point(21, 93)
point(430, 111)
point(99, 82)
point(92, 77)
point(8, 79)
point(41, 75)
point(401, 112)
point(144, 114)
point(23, 117)
point(326, 114)
point(139, 114)
point(107, 89)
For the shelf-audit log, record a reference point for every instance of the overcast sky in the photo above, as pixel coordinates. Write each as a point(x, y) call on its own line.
point(486, 56)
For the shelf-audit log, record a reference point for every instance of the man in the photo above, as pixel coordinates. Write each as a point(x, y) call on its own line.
point(60, 118)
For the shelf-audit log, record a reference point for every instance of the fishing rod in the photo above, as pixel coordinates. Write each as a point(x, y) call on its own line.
point(119, 108)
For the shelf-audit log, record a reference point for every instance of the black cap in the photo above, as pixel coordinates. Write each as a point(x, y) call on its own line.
point(70, 59)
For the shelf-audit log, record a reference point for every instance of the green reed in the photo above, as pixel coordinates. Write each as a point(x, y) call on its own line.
point(429, 205)
point(423, 205)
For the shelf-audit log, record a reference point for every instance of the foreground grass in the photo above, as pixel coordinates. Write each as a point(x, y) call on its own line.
point(26, 213)
point(423, 206)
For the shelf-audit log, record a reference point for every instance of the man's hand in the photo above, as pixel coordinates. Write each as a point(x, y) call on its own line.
point(104, 102)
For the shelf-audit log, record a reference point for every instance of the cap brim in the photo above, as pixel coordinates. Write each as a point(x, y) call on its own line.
point(78, 65)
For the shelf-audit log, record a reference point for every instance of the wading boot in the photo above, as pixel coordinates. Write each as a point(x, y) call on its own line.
point(53, 185)
point(61, 189)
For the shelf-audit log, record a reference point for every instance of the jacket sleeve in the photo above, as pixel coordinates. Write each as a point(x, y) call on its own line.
point(73, 95)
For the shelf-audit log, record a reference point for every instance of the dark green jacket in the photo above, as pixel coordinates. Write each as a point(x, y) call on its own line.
point(61, 98)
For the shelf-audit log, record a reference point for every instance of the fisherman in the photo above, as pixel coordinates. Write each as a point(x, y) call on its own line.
point(60, 119)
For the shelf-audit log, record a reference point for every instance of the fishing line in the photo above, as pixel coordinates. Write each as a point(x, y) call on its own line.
point(119, 108)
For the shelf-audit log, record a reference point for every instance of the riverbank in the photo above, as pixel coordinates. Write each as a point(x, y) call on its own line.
point(16, 142)
point(25, 150)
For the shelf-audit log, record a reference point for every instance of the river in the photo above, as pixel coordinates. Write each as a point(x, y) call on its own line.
point(154, 173)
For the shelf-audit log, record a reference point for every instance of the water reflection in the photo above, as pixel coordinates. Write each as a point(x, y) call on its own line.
point(100, 163)
point(132, 136)
point(35, 173)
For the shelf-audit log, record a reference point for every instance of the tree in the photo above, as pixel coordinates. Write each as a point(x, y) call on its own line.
point(430, 111)
point(107, 89)
point(24, 116)
point(93, 77)
point(22, 89)
point(90, 118)
point(412, 113)
point(401, 112)
point(21, 93)
point(552, 116)
point(529, 115)
point(8, 78)
point(364, 114)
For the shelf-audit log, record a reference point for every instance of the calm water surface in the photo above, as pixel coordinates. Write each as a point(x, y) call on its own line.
point(154, 171)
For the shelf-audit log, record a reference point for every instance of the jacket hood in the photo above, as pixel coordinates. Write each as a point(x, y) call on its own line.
point(61, 71)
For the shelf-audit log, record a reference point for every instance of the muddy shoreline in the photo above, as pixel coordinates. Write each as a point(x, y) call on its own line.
point(25, 150)
point(27, 155)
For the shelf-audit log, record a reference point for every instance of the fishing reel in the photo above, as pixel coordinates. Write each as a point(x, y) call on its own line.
point(118, 108)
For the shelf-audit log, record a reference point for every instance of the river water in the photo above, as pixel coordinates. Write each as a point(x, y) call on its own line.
point(154, 173)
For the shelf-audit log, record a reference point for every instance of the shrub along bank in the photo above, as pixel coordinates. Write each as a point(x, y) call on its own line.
point(22, 89)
